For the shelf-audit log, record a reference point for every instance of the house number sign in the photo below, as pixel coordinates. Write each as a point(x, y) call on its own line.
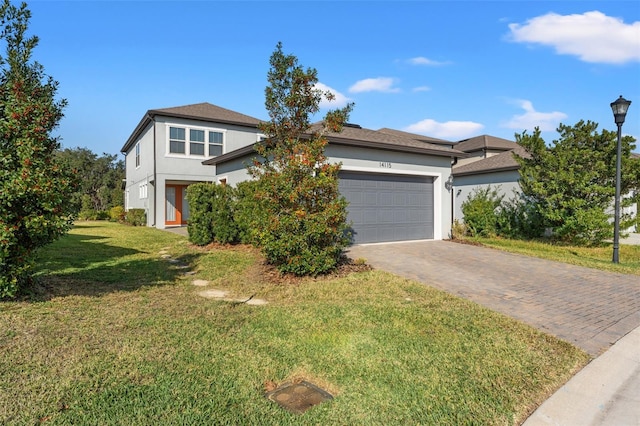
point(385, 164)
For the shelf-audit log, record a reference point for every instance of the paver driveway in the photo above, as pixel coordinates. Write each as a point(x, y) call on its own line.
point(589, 308)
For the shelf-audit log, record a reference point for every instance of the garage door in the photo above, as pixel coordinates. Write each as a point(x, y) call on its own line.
point(388, 207)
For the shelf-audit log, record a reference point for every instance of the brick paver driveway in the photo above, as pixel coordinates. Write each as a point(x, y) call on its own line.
point(587, 307)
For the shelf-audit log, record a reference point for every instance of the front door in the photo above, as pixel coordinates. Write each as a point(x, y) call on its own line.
point(176, 206)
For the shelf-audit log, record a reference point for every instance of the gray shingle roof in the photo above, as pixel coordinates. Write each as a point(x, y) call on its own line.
point(208, 112)
point(386, 140)
point(416, 136)
point(203, 111)
point(484, 142)
point(501, 162)
point(353, 135)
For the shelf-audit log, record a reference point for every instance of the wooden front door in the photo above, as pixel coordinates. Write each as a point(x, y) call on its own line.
point(176, 206)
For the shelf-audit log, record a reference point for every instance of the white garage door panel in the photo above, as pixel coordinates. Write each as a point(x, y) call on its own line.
point(388, 207)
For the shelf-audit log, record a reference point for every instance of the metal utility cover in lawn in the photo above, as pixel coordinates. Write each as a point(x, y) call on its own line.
point(298, 397)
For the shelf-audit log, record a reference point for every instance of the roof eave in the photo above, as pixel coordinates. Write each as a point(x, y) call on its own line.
point(389, 147)
point(486, 171)
point(200, 118)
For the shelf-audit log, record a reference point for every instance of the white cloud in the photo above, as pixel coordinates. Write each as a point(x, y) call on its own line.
point(380, 84)
point(448, 130)
point(421, 89)
point(592, 36)
point(339, 101)
point(421, 60)
point(546, 121)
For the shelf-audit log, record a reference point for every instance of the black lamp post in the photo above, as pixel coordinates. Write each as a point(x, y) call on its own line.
point(619, 108)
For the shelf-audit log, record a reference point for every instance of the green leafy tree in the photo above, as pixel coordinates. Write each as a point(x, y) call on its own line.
point(572, 182)
point(35, 191)
point(305, 228)
point(100, 178)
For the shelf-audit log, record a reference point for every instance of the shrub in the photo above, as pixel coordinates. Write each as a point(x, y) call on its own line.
point(250, 215)
point(88, 214)
point(481, 210)
point(519, 218)
point(212, 211)
point(136, 217)
point(458, 230)
point(117, 214)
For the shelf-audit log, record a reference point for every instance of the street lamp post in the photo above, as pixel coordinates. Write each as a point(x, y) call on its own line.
point(619, 108)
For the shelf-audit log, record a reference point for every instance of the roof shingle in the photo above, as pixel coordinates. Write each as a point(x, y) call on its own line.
point(484, 142)
point(501, 162)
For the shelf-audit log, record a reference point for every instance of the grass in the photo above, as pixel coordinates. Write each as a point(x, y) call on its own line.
point(590, 257)
point(118, 336)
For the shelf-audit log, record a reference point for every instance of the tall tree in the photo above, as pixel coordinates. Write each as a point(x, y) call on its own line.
point(571, 183)
point(35, 191)
point(306, 217)
point(100, 178)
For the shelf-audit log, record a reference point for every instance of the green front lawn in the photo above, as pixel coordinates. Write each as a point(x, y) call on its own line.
point(117, 335)
point(590, 257)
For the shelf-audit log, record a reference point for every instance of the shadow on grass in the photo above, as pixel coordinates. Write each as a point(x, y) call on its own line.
point(82, 265)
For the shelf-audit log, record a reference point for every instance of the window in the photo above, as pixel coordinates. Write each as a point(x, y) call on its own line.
point(177, 140)
point(215, 143)
point(143, 191)
point(196, 142)
point(138, 154)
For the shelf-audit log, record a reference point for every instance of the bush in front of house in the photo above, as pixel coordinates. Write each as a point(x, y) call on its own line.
point(136, 217)
point(211, 214)
point(250, 213)
point(117, 214)
point(481, 211)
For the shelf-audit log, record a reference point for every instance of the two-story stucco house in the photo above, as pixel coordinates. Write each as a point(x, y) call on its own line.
point(395, 182)
point(164, 155)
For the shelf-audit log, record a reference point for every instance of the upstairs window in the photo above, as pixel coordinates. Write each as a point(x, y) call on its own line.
point(196, 142)
point(177, 140)
point(216, 143)
point(138, 154)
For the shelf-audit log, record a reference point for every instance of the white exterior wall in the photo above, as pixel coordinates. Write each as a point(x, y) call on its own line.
point(463, 187)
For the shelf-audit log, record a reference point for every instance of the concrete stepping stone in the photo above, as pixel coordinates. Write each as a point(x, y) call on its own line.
point(256, 302)
point(200, 283)
point(166, 256)
point(213, 294)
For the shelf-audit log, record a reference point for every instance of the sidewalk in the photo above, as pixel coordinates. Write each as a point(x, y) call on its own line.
point(605, 392)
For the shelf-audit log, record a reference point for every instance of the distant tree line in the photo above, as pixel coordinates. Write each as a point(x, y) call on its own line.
point(99, 181)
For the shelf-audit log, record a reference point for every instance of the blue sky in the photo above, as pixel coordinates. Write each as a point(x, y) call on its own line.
point(446, 69)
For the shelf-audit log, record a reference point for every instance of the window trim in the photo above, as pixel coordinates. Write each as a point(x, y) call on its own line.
point(137, 155)
point(169, 139)
point(187, 130)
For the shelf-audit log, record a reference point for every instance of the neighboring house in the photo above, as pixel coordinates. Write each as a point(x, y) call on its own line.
point(482, 147)
point(500, 171)
point(164, 155)
point(394, 181)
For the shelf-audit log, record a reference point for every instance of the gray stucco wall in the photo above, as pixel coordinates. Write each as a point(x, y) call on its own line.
point(463, 187)
point(140, 175)
point(377, 161)
point(172, 168)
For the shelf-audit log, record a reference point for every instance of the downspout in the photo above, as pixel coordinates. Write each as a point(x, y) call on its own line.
point(155, 177)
